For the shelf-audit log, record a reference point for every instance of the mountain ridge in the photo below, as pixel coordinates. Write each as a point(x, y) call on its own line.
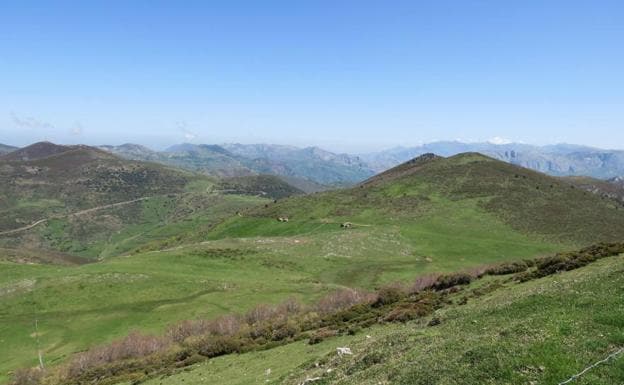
point(330, 169)
point(5, 148)
point(557, 160)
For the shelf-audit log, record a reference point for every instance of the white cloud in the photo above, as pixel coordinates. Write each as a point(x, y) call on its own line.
point(30, 122)
point(76, 129)
point(188, 134)
point(499, 140)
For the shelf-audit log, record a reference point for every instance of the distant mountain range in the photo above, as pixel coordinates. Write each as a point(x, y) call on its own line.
point(307, 168)
point(314, 169)
point(557, 160)
point(4, 149)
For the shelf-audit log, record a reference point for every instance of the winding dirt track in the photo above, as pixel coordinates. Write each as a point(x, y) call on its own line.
point(77, 213)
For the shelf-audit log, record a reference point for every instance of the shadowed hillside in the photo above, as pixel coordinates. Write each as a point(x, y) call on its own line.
point(82, 200)
point(37, 150)
point(268, 186)
point(606, 189)
point(5, 149)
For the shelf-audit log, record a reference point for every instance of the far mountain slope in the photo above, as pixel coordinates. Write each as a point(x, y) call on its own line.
point(557, 160)
point(36, 151)
point(5, 149)
point(310, 166)
point(610, 189)
point(310, 163)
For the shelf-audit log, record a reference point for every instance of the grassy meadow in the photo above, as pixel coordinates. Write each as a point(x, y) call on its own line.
point(80, 306)
point(537, 332)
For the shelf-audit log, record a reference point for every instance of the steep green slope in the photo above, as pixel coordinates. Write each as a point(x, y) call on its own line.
point(539, 332)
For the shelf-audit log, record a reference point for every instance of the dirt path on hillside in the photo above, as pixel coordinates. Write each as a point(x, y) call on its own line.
point(77, 213)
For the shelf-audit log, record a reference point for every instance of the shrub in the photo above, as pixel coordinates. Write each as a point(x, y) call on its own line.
point(285, 330)
point(450, 280)
point(214, 346)
point(508, 268)
point(185, 329)
point(390, 294)
point(343, 299)
point(353, 313)
point(135, 345)
point(290, 306)
point(29, 376)
point(407, 312)
point(259, 313)
point(476, 272)
point(321, 334)
point(424, 282)
point(435, 321)
point(227, 325)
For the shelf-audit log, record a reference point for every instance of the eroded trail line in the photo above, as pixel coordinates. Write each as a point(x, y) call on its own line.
point(77, 213)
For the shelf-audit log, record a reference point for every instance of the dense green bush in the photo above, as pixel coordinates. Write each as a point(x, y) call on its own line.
point(214, 346)
point(389, 294)
point(407, 312)
point(320, 335)
point(450, 280)
point(508, 268)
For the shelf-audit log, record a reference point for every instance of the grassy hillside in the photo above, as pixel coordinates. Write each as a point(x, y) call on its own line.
point(540, 332)
point(80, 306)
point(94, 204)
point(494, 330)
point(467, 196)
point(537, 332)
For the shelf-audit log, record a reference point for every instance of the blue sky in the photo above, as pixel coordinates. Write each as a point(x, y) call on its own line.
point(346, 75)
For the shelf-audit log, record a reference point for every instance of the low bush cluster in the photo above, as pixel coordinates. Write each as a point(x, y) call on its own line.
point(451, 280)
point(30, 376)
point(133, 346)
point(343, 299)
point(390, 294)
point(508, 268)
point(424, 282)
point(572, 260)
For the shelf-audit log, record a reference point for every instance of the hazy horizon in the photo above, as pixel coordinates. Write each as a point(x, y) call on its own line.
point(493, 141)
